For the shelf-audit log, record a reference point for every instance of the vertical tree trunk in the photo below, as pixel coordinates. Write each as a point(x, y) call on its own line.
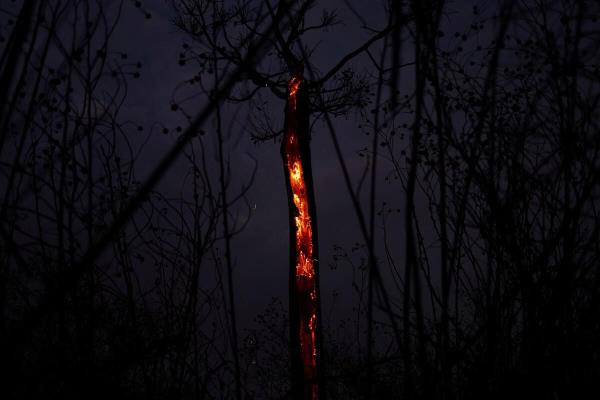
point(304, 288)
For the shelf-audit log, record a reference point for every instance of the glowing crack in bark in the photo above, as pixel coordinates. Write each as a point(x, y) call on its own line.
point(305, 277)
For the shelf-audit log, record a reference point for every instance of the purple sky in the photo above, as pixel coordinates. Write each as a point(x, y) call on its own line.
point(261, 265)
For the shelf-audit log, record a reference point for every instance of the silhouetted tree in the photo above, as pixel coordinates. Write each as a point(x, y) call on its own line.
point(106, 288)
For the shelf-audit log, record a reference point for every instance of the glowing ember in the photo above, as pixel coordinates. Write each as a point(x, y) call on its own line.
point(305, 281)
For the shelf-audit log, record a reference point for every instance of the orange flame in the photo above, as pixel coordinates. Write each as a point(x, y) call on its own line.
point(305, 270)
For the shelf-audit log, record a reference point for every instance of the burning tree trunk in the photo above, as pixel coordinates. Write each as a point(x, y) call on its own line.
point(304, 288)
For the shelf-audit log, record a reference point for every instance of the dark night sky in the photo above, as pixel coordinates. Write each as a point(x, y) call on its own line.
point(261, 250)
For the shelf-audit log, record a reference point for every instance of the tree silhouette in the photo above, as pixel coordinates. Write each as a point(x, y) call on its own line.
point(220, 38)
point(101, 273)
